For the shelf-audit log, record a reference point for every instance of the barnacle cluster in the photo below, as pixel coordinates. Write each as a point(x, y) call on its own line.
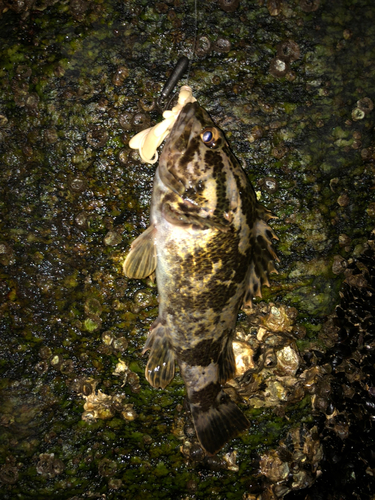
point(349, 394)
point(294, 465)
point(287, 52)
point(364, 107)
point(49, 466)
point(339, 384)
point(99, 405)
point(102, 406)
point(267, 361)
point(122, 370)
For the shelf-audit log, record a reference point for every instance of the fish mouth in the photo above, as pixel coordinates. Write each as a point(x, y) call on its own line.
point(187, 125)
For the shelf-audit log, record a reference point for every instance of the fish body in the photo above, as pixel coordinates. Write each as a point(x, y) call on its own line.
point(210, 245)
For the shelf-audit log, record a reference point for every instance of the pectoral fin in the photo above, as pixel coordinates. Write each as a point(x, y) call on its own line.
point(141, 261)
point(263, 256)
point(161, 362)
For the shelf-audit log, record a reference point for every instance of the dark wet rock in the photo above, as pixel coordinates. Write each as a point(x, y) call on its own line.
point(77, 81)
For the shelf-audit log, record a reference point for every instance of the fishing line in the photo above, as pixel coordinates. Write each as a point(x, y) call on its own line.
point(195, 39)
point(182, 65)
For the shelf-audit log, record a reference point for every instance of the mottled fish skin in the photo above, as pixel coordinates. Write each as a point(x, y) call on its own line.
point(211, 246)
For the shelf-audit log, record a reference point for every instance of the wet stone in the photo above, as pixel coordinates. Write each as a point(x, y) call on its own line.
point(112, 238)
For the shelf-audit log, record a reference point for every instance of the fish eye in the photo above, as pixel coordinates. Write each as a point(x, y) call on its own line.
point(209, 136)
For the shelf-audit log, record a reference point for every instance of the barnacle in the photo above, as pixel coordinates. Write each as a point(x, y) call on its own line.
point(161, 7)
point(150, 139)
point(23, 72)
point(279, 151)
point(274, 7)
point(288, 51)
point(120, 75)
point(140, 121)
point(77, 184)
point(107, 467)
point(50, 136)
point(97, 137)
point(279, 67)
point(3, 120)
point(147, 104)
point(176, 36)
point(120, 344)
point(270, 184)
point(8, 474)
point(229, 5)
point(309, 5)
point(49, 466)
point(32, 101)
point(358, 114)
point(107, 338)
point(222, 45)
point(125, 120)
point(203, 46)
point(365, 104)
point(129, 413)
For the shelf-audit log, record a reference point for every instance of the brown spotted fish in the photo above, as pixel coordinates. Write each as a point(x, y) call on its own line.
point(210, 245)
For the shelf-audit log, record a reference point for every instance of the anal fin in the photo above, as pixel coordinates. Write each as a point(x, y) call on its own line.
point(226, 362)
point(141, 261)
point(161, 362)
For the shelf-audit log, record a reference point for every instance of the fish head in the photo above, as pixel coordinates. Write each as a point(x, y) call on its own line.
point(193, 156)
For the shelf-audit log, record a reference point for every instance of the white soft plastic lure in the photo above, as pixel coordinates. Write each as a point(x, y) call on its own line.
point(150, 139)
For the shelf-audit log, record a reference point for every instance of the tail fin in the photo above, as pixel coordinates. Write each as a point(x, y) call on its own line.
point(217, 423)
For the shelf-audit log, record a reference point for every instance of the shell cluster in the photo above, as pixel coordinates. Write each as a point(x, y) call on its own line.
point(101, 406)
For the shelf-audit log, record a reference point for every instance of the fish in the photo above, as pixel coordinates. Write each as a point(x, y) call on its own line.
point(211, 249)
